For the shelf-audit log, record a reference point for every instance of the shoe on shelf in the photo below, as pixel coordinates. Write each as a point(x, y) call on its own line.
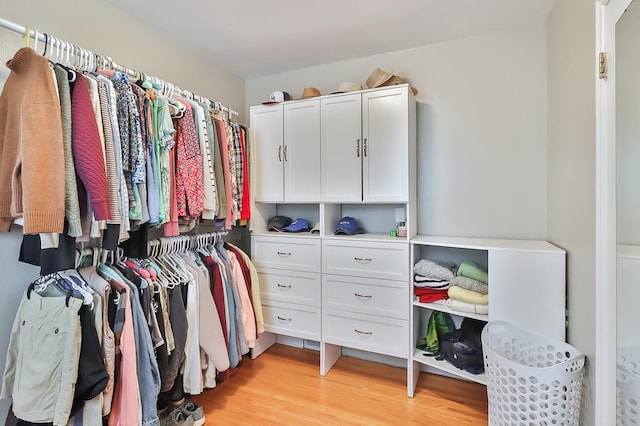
point(195, 411)
point(177, 418)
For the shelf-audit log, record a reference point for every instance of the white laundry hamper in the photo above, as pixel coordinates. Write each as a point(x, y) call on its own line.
point(531, 379)
point(628, 386)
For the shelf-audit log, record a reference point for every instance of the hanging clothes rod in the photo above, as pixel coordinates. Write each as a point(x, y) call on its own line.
point(106, 61)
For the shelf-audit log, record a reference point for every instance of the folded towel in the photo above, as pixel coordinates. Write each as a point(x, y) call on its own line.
point(470, 284)
point(468, 296)
point(433, 270)
point(473, 270)
point(460, 306)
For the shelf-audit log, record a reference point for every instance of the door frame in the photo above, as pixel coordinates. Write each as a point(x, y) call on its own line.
point(608, 12)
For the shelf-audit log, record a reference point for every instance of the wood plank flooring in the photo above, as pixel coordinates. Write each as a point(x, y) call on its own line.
point(283, 386)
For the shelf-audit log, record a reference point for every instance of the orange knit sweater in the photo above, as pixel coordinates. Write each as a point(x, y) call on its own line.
point(31, 150)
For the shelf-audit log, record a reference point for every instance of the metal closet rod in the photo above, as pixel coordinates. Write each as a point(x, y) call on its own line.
point(106, 60)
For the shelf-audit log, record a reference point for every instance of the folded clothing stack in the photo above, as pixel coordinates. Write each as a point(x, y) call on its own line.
point(431, 280)
point(468, 290)
point(428, 273)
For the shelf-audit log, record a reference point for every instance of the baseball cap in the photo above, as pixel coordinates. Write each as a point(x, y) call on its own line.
point(298, 225)
point(276, 97)
point(276, 223)
point(348, 226)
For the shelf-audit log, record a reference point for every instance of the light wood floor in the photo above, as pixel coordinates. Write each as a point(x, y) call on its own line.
point(283, 386)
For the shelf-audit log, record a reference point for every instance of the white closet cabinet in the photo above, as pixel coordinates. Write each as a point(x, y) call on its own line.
point(364, 294)
point(337, 155)
point(286, 140)
point(290, 287)
point(365, 146)
point(526, 288)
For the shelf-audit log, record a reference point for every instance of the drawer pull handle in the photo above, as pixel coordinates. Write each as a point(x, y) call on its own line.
point(284, 319)
point(363, 296)
point(365, 333)
point(282, 253)
point(362, 259)
point(284, 286)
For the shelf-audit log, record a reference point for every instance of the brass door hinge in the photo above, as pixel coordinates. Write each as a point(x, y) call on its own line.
point(603, 65)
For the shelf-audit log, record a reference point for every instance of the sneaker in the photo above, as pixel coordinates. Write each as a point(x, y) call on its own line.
point(177, 418)
point(195, 411)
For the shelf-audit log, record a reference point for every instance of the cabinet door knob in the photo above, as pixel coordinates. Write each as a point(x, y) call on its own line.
point(362, 259)
point(364, 333)
point(363, 296)
point(364, 147)
point(285, 153)
point(282, 253)
point(284, 286)
point(280, 153)
point(284, 319)
point(357, 147)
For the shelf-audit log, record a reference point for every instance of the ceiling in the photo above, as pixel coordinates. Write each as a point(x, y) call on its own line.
point(253, 38)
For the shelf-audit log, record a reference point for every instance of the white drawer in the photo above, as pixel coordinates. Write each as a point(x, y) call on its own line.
point(366, 259)
point(296, 254)
point(293, 287)
point(366, 295)
point(299, 321)
point(385, 336)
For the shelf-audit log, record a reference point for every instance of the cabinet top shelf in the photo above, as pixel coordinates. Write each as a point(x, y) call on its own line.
point(487, 243)
point(366, 90)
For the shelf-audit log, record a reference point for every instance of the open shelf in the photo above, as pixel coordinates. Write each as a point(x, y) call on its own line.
point(431, 361)
point(367, 237)
point(487, 244)
point(437, 306)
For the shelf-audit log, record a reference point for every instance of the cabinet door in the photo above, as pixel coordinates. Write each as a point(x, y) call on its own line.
point(341, 145)
point(266, 131)
point(527, 289)
point(385, 150)
point(301, 151)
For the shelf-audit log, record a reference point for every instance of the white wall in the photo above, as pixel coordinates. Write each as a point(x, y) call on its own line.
point(94, 25)
point(571, 168)
point(481, 128)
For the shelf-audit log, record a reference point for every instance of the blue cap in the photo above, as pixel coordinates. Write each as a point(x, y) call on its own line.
point(348, 226)
point(298, 225)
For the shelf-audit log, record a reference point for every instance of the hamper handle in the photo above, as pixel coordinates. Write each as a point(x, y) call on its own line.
point(497, 326)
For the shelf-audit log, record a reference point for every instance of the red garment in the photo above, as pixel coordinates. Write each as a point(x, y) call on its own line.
point(87, 149)
point(226, 170)
point(428, 295)
point(245, 212)
point(189, 174)
point(217, 288)
point(432, 298)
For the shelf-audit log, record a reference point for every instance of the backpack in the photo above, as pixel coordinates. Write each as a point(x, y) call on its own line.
point(463, 347)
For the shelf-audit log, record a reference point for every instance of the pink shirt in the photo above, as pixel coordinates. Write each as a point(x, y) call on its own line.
point(125, 411)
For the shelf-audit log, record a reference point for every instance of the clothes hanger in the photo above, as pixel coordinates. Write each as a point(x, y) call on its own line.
point(78, 283)
point(45, 281)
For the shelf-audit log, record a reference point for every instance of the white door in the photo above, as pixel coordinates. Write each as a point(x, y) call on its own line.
point(266, 132)
point(301, 152)
point(341, 147)
point(385, 132)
